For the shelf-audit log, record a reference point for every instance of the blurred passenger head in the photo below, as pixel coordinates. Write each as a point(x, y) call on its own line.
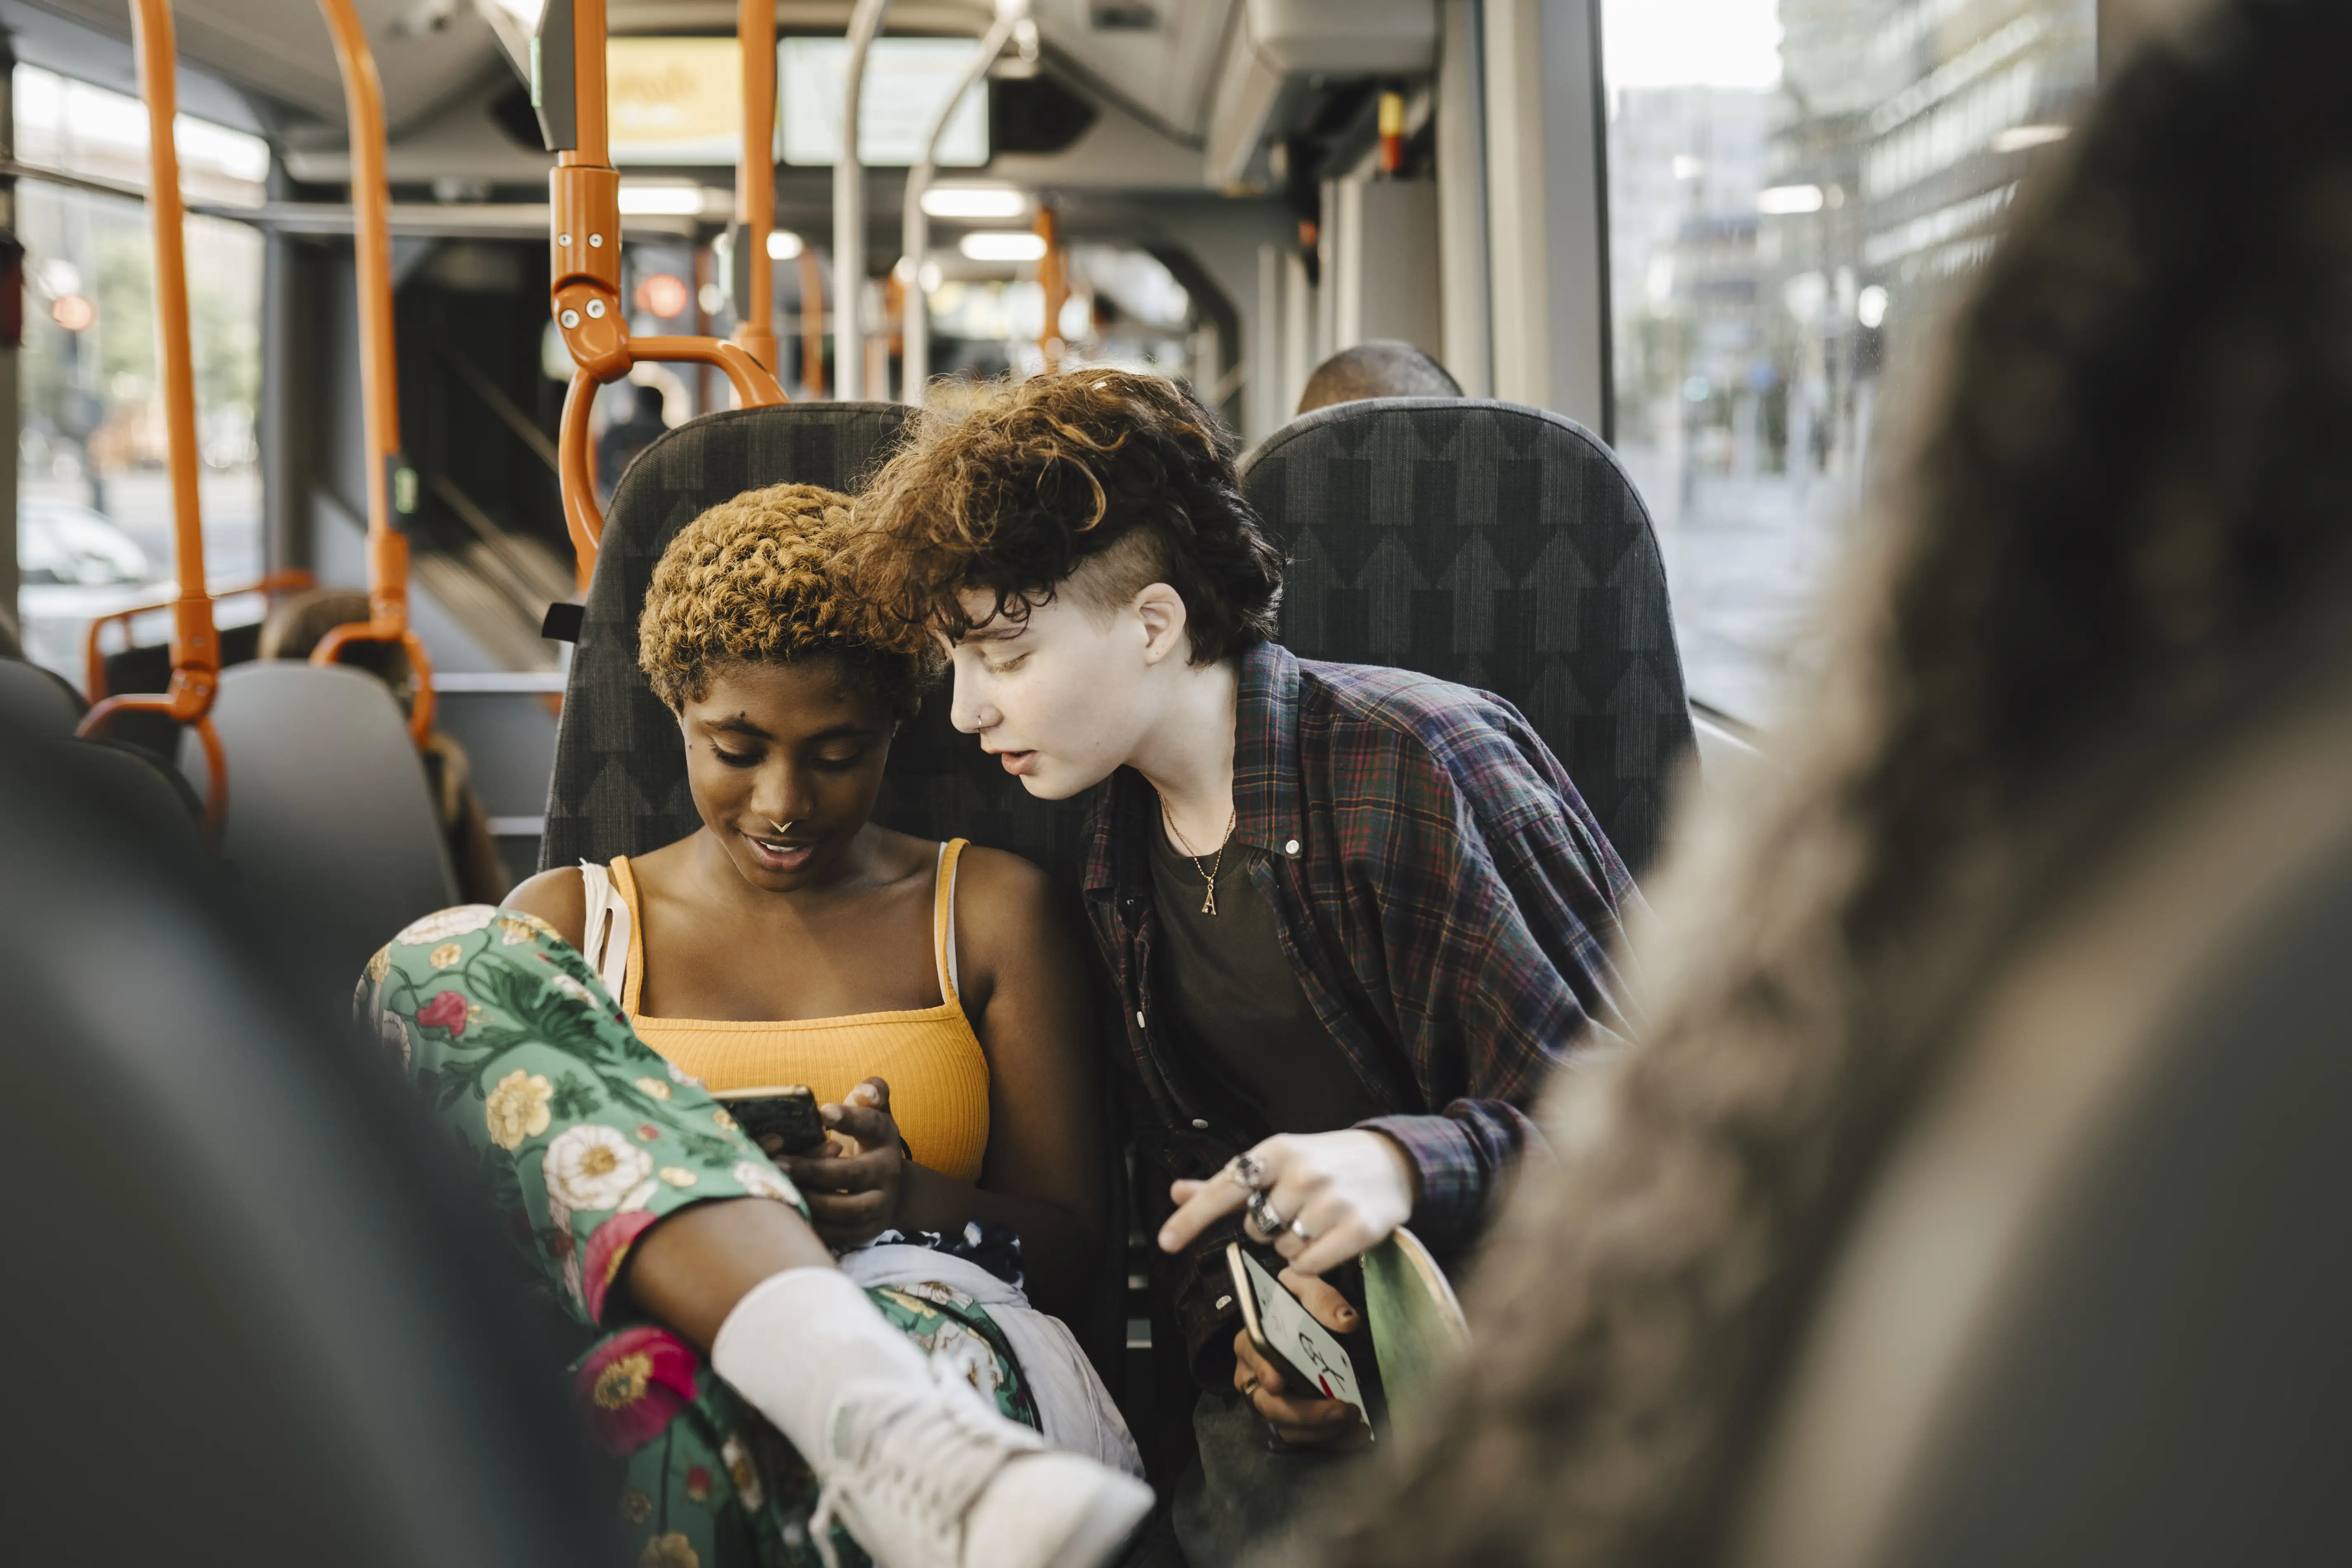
point(786, 693)
point(1384, 367)
point(296, 625)
point(1069, 536)
point(2126, 519)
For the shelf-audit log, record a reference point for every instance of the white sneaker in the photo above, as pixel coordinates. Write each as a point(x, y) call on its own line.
point(934, 1478)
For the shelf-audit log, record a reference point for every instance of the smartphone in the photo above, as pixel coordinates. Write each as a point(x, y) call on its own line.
point(782, 1120)
point(1286, 1334)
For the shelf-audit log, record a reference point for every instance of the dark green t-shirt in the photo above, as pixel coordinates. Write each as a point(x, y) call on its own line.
point(1242, 1008)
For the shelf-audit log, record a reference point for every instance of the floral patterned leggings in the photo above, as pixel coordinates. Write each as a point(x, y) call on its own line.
point(586, 1137)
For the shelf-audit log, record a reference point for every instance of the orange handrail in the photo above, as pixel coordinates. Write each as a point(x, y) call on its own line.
point(1054, 278)
point(195, 642)
point(584, 284)
point(269, 585)
point(755, 179)
point(812, 323)
point(387, 620)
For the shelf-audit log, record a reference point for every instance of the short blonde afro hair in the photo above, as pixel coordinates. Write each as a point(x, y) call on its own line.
point(752, 580)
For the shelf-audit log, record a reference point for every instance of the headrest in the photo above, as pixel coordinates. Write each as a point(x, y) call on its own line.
point(1497, 545)
point(40, 701)
point(326, 791)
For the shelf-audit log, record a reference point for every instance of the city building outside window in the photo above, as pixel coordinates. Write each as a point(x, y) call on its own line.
point(94, 510)
point(1797, 190)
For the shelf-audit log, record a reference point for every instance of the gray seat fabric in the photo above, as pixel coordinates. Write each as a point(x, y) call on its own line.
point(1497, 545)
point(39, 701)
point(129, 784)
point(326, 791)
point(619, 784)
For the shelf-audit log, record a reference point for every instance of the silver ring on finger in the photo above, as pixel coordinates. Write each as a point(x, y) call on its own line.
point(1264, 1222)
point(1248, 1171)
point(1299, 1228)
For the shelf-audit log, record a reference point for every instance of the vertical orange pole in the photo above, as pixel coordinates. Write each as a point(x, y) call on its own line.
point(1053, 276)
point(195, 642)
point(755, 178)
point(811, 324)
point(378, 369)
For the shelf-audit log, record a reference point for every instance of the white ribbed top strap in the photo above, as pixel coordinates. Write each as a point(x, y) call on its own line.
point(605, 935)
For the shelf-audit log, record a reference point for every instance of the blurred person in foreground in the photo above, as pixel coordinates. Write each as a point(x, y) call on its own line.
point(2128, 517)
point(296, 625)
point(1384, 367)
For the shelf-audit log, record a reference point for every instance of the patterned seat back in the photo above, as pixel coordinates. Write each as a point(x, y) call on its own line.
point(619, 785)
point(1497, 545)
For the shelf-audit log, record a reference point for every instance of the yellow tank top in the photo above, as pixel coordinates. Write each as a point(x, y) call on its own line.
point(930, 1056)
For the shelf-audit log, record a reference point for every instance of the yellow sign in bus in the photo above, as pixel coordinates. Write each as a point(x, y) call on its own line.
point(675, 100)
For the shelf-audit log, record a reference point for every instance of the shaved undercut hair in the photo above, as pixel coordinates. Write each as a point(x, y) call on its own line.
point(1385, 367)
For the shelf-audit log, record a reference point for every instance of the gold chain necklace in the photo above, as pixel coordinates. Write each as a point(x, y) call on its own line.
point(1208, 904)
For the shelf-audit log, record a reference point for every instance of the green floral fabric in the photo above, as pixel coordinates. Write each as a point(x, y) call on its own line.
point(586, 1137)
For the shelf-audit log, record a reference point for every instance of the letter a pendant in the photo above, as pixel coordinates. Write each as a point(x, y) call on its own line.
point(1209, 874)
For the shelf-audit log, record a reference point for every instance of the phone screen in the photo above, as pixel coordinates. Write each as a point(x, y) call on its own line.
point(1293, 1336)
point(782, 1120)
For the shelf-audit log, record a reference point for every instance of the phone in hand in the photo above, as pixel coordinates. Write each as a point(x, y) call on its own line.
point(782, 1120)
point(1285, 1334)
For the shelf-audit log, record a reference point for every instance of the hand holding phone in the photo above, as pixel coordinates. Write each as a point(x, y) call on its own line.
point(1295, 1373)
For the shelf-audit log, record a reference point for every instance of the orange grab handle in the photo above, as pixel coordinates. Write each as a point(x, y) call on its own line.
point(754, 387)
point(582, 518)
point(188, 703)
point(420, 713)
point(576, 476)
point(585, 276)
point(270, 585)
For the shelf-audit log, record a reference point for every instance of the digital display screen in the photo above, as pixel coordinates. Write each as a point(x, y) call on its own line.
point(907, 81)
point(679, 101)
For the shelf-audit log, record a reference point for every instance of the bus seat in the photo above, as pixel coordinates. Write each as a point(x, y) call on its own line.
point(327, 800)
point(2095, 1305)
point(265, 1270)
point(1497, 545)
point(130, 789)
point(39, 701)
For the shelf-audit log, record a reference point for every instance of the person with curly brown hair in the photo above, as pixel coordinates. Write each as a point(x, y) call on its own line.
point(1355, 917)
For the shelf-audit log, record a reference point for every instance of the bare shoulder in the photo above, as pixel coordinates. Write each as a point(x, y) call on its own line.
point(1006, 908)
point(558, 897)
point(1002, 883)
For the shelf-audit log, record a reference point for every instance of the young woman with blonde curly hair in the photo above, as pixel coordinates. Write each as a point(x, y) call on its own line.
point(577, 1038)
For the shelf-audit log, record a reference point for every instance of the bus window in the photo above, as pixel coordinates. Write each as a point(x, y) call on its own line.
point(93, 484)
point(1795, 189)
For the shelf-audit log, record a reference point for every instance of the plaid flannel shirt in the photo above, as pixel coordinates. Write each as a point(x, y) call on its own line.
point(1447, 901)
